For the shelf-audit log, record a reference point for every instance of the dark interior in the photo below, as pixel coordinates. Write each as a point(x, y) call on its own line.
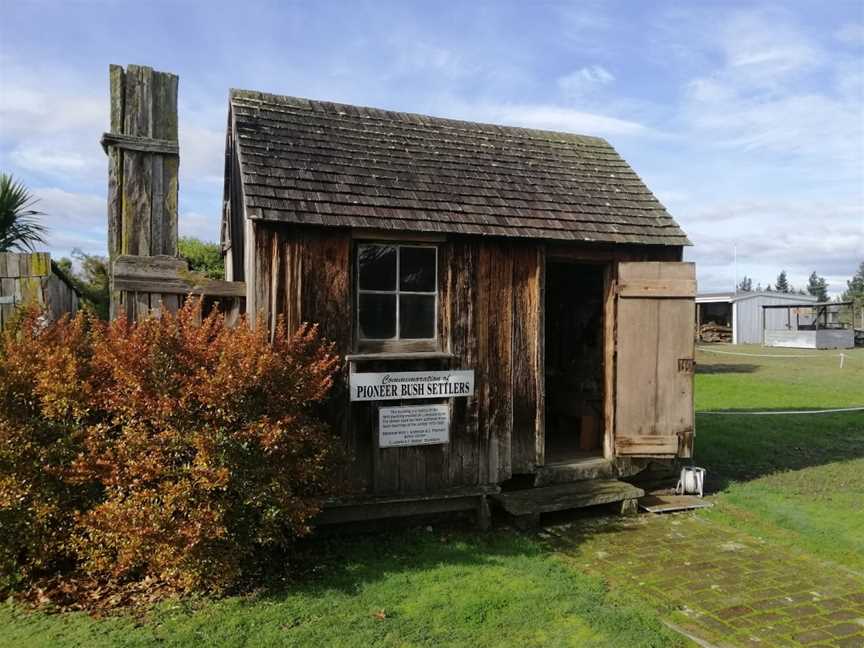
point(716, 313)
point(574, 361)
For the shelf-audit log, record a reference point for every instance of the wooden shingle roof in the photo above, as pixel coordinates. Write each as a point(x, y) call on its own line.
point(320, 163)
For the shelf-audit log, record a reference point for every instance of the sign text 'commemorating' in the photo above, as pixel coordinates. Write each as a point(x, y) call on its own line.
point(412, 384)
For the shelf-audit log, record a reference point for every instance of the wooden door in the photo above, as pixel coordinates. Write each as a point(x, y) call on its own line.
point(655, 359)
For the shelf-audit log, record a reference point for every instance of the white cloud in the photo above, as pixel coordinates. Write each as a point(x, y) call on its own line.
point(773, 235)
point(759, 99)
point(551, 117)
point(50, 123)
point(762, 47)
point(73, 220)
point(26, 109)
point(584, 80)
point(46, 160)
point(414, 57)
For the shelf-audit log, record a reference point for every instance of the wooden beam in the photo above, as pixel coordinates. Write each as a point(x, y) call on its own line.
point(166, 274)
point(681, 288)
point(137, 143)
point(179, 286)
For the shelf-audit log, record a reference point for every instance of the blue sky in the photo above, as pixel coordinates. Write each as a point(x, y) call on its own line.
point(745, 118)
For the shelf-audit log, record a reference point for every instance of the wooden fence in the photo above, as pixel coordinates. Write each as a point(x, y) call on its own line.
point(33, 278)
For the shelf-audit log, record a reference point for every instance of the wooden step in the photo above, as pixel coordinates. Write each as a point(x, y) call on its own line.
point(572, 471)
point(529, 503)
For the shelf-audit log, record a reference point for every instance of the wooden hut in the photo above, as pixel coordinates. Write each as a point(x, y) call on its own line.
point(512, 304)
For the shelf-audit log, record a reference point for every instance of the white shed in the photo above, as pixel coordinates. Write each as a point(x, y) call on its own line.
point(742, 312)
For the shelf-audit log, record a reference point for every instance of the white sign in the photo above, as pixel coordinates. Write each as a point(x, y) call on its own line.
point(399, 385)
point(413, 425)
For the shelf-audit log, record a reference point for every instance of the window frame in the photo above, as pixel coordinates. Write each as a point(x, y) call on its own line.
point(396, 343)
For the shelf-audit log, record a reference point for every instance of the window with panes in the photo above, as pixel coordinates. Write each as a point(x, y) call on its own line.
point(397, 293)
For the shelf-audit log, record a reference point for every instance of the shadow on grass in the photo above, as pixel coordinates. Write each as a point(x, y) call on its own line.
point(349, 562)
point(736, 447)
point(719, 368)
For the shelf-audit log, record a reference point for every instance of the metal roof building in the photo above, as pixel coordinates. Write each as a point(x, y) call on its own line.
point(743, 312)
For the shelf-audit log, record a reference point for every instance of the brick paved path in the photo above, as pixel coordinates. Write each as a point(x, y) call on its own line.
point(719, 585)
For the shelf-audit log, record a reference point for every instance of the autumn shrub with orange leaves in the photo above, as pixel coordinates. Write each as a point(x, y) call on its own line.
point(174, 451)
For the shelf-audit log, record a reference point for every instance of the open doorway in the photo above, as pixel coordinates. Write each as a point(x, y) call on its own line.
point(574, 362)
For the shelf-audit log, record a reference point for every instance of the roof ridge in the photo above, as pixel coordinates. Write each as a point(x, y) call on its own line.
point(412, 117)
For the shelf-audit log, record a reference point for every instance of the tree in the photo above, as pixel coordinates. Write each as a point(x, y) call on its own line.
point(91, 280)
point(745, 285)
point(782, 282)
point(20, 228)
point(855, 293)
point(202, 256)
point(818, 287)
point(855, 286)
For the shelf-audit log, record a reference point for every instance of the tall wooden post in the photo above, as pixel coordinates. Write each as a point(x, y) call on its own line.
point(143, 168)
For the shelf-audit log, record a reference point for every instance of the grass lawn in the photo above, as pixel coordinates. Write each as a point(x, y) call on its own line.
point(793, 479)
point(408, 589)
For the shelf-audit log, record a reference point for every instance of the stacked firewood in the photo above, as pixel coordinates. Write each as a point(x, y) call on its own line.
point(715, 333)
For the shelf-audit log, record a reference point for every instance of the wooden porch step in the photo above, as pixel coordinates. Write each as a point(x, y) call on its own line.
point(529, 503)
point(571, 471)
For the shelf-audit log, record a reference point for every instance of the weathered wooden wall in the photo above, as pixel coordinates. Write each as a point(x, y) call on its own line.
point(490, 320)
point(31, 278)
point(143, 172)
point(489, 308)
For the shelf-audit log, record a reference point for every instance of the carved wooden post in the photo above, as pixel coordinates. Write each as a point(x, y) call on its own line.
point(143, 170)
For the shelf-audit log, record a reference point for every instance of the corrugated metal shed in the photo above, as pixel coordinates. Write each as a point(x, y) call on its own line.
point(747, 311)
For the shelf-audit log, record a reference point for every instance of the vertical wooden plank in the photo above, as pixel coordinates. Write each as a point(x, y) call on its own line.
point(637, 338)
point(322, 273)
point(527, 367)
point(24, 265)
point(117, 87)
point(412, 469)
point(326, 286)
point(13, 265)
point(464, 438)
point(609, 361)
point(165, 167)
point(249, 266)
point(482, 326)
point(171, 303)
point(137, 171)
point(385, 461)
point(142, 305)
point(674, 410)
point(541, 349)
point(293, 281)
point(261, 275)
point(499, 361)
point(157, 213)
